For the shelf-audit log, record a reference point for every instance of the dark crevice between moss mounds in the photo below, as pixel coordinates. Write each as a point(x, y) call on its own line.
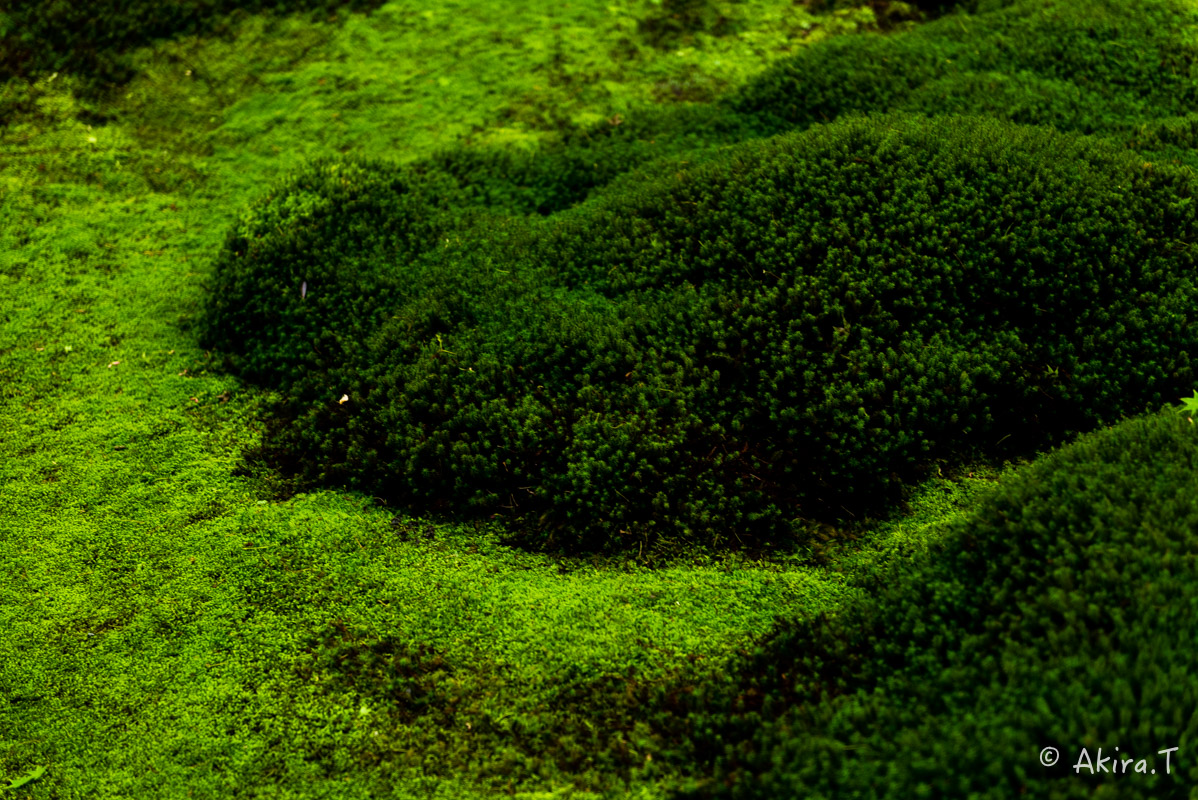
point(892, 13)
point(671, 23)
point(668, 24)
point(1050, 617)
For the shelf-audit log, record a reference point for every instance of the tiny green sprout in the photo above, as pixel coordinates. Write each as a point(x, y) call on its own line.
point(1189, 405)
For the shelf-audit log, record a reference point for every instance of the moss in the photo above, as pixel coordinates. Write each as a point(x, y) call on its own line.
point(164, 614)
point(175, 623)
point(1089, 68)
point(93, 40)
point(785, 329)
point(1027, 625)
point(529, 334)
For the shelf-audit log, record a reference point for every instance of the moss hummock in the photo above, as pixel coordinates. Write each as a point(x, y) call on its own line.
point(718, 346)
point(1055, 615)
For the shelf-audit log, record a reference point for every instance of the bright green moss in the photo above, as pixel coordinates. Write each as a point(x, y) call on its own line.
point(1051, 616)
point(164, 619)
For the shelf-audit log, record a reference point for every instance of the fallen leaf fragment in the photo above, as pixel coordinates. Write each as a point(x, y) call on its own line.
point(33, 775)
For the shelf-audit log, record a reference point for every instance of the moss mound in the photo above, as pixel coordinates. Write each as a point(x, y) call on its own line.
point(1057, 616)
point(648, 331)
point(719, 348)
point(310, 265)
point(1092, 67)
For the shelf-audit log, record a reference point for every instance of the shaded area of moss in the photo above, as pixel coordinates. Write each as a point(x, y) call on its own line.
point(730, 341)
point(94, 39)
point(1048, 617)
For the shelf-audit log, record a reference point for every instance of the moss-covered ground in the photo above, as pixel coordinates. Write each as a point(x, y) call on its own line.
point(172, 624)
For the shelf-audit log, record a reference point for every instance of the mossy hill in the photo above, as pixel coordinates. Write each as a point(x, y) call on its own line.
point(651, 332)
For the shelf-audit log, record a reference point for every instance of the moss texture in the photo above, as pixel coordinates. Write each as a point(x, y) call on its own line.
point(729, 339)
point(1051, 616)
point(94, 39)
point(179, 623)
point(171, 627)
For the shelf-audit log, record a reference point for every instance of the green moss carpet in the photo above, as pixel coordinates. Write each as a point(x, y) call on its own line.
point(645, 399)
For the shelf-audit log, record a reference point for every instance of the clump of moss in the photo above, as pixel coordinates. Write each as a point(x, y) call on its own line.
point(1048, 618)
point(312, 262)
point(727, 341)
point(716, 349)
point(1086, 67)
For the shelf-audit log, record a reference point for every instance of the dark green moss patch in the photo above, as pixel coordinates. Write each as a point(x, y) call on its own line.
point(408, 678)
point(1055, 615)
point(1095, 67)
point(709, 351)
